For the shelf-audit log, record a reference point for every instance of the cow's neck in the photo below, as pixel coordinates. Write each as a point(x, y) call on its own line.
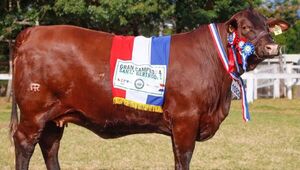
point(229, 62)
point(223, 76)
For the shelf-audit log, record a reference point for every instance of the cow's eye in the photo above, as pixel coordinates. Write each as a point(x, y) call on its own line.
point(245, 29)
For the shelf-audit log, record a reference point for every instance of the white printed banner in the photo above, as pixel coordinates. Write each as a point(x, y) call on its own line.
point(145, 78)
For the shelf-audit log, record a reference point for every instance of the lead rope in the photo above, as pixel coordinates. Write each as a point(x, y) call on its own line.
point(235, 76)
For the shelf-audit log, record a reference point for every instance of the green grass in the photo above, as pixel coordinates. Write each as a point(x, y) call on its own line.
point(270, 141)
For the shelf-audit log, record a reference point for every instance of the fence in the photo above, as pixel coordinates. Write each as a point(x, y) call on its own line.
point(5, 77)
point(273, 74)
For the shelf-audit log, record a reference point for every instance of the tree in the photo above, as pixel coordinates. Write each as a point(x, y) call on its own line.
point(137, 17)
point(190, 13)
point(126, 17)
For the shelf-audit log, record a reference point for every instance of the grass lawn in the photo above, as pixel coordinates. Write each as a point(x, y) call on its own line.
point(270, 141)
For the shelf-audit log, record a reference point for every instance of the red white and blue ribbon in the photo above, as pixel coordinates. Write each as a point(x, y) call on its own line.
point(235, 76)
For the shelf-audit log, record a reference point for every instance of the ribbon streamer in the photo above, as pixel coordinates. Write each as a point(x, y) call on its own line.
point(235, 76)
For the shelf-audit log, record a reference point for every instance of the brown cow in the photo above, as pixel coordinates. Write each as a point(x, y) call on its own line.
point(61, 75)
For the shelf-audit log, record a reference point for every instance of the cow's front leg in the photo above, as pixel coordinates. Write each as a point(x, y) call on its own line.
point(184, 132)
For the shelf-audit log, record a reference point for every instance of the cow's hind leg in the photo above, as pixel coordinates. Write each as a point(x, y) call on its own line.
point(49, 143)
point(25, 139)
point(34, 127)
point(184, 132)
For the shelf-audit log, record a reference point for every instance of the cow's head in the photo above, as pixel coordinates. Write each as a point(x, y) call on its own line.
point(257, 29)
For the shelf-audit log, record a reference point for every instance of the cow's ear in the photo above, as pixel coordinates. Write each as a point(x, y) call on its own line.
point(231, 25)
point(277, 22)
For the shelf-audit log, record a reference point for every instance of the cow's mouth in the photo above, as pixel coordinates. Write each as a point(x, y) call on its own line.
point(253, 61)
point(267, 52)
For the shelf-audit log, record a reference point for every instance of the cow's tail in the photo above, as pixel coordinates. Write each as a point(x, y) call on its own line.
point(14, 119)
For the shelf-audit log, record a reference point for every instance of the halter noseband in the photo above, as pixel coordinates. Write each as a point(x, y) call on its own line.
point(260, 35)
point(254, 42)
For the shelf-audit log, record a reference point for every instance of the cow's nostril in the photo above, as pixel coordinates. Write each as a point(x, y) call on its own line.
point(272, 49)
point(268, 47)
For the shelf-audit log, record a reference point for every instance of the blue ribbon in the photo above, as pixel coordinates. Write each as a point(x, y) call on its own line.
point(247, 50)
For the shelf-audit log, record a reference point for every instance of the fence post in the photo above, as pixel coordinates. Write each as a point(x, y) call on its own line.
point(249, 90)
point(276, 88)
point(289, 81)
point(255, 85)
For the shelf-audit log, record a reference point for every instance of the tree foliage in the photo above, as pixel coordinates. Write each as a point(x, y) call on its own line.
point(120, 17)
point(136, 17)
point(126, 17)
point(191, 13)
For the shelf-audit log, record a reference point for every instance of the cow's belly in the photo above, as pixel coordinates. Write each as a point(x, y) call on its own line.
point(124, 121)
point(120, 122)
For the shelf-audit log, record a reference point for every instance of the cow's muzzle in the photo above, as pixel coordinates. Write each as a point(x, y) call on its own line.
point(271, 50)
